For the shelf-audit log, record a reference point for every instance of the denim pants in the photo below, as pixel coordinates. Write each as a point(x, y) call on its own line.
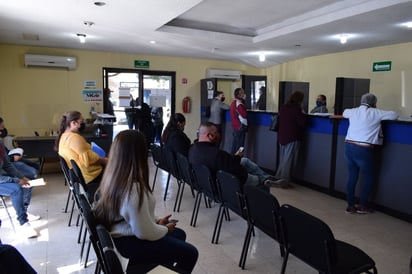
point(172, 251)
point(28, 171)
point(361, 159)
point(238, 140)
point(20, 198)
point(255, 174)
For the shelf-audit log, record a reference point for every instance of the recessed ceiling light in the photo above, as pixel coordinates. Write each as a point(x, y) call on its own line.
point(88, 23)
point(407, 24)
point(100, 3)
point(82, 37)
point(343, 38)
point(262, 57)
point(153, 42)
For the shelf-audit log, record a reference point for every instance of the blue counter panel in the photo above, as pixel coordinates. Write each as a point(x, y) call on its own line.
point(319, 125)
point(398, 132)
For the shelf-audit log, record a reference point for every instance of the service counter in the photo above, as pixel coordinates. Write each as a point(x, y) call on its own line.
point(322, 165)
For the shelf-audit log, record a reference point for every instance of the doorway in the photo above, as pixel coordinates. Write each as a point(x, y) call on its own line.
point(155, 88)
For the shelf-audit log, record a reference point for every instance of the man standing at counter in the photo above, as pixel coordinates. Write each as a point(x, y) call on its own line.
point(238, 115)
point(364, 133)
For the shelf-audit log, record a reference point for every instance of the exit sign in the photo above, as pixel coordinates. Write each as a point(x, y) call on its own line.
point(382, 66)
point(141, 64)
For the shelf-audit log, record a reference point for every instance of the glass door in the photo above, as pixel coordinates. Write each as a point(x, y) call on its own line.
point(133, 89)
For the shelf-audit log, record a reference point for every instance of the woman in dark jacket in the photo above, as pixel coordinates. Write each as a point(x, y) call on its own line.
point(292, 122)
point(173, 136)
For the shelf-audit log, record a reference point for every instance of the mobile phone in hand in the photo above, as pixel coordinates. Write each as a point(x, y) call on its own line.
point(173, 221)
point(240, 150)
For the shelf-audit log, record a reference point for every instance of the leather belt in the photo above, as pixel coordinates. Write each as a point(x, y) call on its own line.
point(361, 144)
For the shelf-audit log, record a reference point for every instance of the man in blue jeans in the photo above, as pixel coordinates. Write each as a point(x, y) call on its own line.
point(15, 185)
point(362, 137)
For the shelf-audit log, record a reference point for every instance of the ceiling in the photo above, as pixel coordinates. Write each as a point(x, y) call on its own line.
point(229, 30)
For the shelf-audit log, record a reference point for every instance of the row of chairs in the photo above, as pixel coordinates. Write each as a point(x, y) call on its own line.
point(297, 232)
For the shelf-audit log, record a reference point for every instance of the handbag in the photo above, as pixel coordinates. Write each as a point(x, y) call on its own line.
point(274, 123)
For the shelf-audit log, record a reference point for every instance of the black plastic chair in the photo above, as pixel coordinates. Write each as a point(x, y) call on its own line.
point(231, 196)
point(311, 240)
point(170, 159)
point(90, 222)
point(111, 260)
point(186, 173)
point(158, 161)
point(80, 179)
point(207, 189)
point(263, 213)
point(68, 181)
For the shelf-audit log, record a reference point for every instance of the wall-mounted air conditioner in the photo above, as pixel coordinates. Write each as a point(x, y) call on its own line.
point(37, 60)
point(223, 74)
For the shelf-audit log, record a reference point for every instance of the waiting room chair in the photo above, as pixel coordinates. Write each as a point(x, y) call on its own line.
point(311, 240)
point(171, 162)
point(80, 179)
point(7, 211)
point(158, 161)
point(90, 222)
point(263, 213)
point(111, 258)
point(207, 189)
point(186, 173)
point(230, 190)
point(68, 181)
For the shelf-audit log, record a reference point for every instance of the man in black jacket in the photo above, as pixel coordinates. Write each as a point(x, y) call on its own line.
point(206, 152)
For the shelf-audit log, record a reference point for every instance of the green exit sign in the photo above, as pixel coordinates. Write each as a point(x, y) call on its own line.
point(141, 64)
point(382, 66)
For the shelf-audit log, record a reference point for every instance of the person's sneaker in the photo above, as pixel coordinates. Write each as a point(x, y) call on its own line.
point(32, 217)
point(363, 209)
point(273, 183)
point(27, 231)
point(350, 209)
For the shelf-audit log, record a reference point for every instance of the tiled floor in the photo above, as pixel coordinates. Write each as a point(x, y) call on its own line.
point(387, 240)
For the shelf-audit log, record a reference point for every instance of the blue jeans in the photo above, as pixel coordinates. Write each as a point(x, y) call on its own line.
point(166, 251)
point(359, 159)
point(255, 174)
point(238, 140)
point(28, 171)
point(20, 198)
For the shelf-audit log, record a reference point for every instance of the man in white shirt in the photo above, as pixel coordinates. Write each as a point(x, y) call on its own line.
point(363, 135)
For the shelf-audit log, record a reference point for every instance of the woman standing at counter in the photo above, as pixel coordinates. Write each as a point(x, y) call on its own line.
point(292, 122)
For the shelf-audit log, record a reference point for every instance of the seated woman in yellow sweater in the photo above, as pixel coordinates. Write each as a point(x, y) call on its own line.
point(71, 145)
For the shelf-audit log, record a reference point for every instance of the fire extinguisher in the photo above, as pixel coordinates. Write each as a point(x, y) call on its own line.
point(186, 104)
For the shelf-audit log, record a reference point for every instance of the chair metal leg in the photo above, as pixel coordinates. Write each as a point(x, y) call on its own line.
point(154, 179)
point(285, 261)
point(167, 187)
point(198, 200)
point(87, 253)
point(218, 225)
point(181, 196)
point(68, 201)
point(245, 248)
point(178, 195)
point(71, 212)
point(8, 213)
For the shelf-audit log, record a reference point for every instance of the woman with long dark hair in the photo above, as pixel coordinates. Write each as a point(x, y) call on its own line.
point(126, 207)
point(173, 136)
